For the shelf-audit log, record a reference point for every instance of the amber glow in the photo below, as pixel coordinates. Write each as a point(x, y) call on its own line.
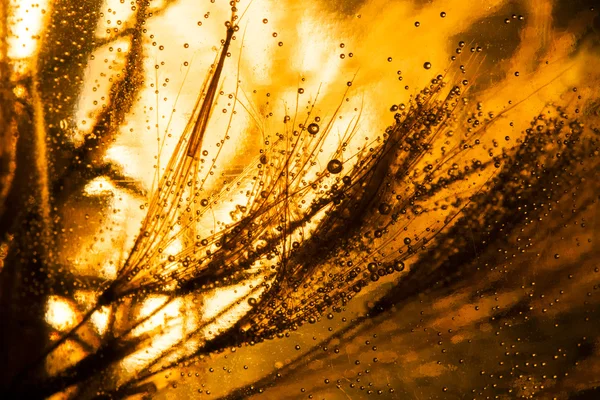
point(314, 41)
point(165, 250)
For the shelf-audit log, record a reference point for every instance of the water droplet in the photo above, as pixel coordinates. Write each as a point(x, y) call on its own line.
point(399, 266)
point(334, 166)
point(384, 208)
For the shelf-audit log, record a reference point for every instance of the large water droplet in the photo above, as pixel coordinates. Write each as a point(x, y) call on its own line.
point(313, 128)
point(334, 166)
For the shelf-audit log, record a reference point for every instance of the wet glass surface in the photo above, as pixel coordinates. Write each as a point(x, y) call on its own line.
point(299, 199)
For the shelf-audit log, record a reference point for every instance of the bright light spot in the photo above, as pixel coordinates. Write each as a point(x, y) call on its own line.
point(157, 316)
point(109, 270)
point(19, 91)
point(100, 319)
point(126, 158)
point(59, 313)
point(223, 298)
point(100, 185)
point(165, 325)
point(216, 307)
point(176, 246)
point(27, 21)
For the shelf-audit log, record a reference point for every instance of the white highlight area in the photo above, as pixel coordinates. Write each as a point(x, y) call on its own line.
point(60, 314)
point(25, 24)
